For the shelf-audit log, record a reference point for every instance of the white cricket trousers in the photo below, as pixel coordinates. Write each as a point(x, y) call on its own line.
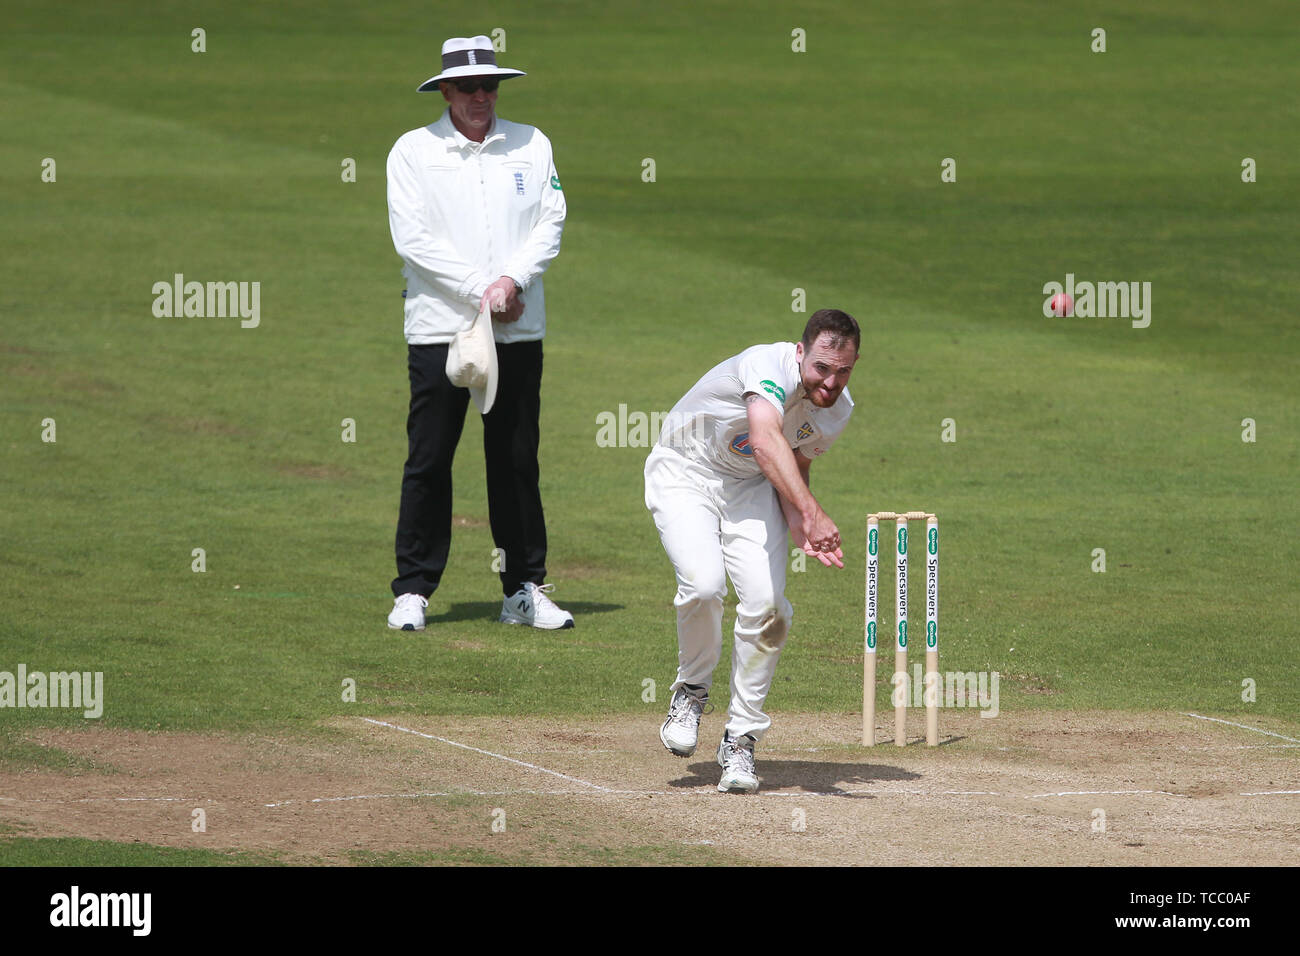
point(716, 527)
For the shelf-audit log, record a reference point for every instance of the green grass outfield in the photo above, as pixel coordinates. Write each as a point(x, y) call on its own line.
point(775, 170)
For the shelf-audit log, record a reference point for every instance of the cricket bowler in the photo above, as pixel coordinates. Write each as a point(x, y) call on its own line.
point(726, 482)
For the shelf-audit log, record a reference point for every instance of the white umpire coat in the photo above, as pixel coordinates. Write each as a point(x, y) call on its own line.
point(463, 214)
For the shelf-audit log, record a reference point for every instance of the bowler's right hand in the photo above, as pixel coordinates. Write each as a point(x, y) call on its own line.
point(821, 531)
point(829, 558)
point(823, 539)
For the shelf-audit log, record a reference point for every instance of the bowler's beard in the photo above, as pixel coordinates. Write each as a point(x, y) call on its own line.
point(815, 393)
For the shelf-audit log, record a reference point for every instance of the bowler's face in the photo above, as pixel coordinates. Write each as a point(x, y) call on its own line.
point(473, 113)
point(825, 370)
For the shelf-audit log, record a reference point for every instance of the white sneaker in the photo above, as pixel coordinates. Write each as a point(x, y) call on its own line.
point(408, 613)
point(531, 605)
point(736, 758)
point(681, 731)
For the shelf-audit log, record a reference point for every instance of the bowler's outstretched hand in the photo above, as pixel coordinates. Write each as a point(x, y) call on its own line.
point(830, 554)
point(829, 558)
point(821, 530)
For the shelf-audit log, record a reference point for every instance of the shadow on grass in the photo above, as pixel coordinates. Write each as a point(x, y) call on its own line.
point(491, 611)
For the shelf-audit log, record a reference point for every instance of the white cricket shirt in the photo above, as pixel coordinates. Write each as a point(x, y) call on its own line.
point(463, 214)
point(711, 423)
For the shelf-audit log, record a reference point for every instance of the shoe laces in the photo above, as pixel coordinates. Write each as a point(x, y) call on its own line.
point(740, 757)
point(541, 596)
point(686, 708)
point(410, 600)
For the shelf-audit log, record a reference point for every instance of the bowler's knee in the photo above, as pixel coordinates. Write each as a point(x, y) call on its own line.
point(768, 628)
point(701, 586)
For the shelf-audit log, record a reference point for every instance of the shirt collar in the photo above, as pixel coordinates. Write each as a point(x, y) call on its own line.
point(455, 139)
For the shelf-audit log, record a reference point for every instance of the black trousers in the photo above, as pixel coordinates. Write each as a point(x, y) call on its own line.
point(511, 433)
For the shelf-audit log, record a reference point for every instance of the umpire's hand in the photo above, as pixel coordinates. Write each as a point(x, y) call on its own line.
point(503, 297)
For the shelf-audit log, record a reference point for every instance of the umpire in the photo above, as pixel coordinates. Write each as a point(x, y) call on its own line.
point(476, 212)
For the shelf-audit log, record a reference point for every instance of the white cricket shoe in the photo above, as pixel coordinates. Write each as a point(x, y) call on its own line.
point(736, 758)
point(681, 731)
point(408, 613)
point(532, 605)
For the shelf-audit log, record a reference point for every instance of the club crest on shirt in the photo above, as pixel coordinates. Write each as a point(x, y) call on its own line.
point(805, 431)
point(519, 183)
point(740, 446)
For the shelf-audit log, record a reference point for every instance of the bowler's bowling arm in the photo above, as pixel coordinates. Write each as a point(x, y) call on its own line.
point(776, 459)
point(792, 516)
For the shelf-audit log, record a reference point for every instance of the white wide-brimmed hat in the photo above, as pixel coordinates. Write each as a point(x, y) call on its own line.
point(468, 56)
point(472, 360)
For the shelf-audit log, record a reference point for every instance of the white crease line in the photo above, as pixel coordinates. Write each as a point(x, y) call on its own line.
point(389, 796)
point(709, 790)
point(138, 799)
point(702, 791)
point(470, 793)
point(113, 800)
point(685, 792)
point(488, 753)
point(1243, 727)
point(1102, 793)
